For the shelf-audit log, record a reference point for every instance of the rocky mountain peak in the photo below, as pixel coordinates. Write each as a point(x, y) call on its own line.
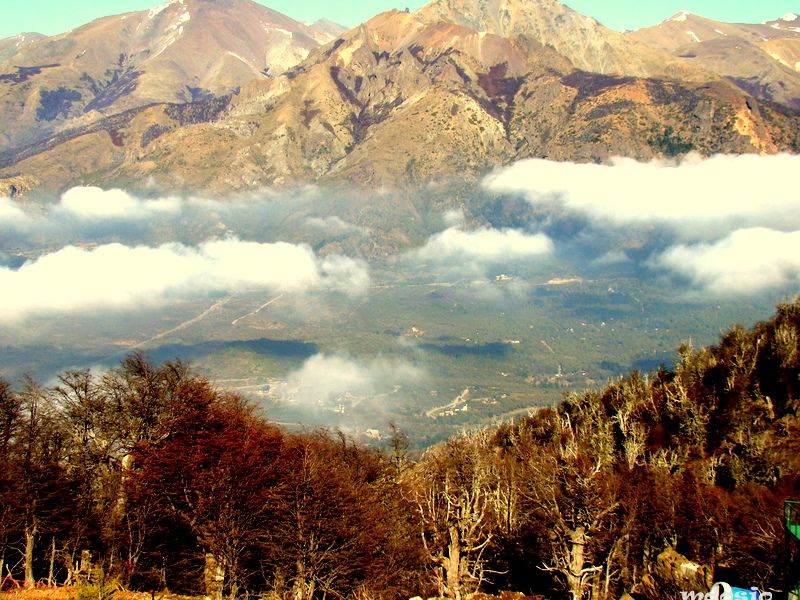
point(680, 16)
point(329, 27)
point(11, 45)
point(506, 17)
point(218, 3)
point(790, 23)
point(586, 43)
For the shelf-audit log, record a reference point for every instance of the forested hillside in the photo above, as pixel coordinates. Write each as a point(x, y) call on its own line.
point(149, 477)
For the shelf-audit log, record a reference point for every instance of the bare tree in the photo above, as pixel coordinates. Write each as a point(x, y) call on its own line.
point(570, 499)
point(39, 452)
point(455, 494)
point(11, 520)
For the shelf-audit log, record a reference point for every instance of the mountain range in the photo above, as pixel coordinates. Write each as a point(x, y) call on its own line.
point(228, 95)
point(761, 59)
point(181, 51)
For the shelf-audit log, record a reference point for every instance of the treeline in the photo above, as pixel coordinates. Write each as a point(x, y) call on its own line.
point(658, 484)
point(161, 481)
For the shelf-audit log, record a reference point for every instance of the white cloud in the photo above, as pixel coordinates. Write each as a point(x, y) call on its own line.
point(345, 273)
point(122, 277)
point(10, 214)
point(612, 257)
point(492, 291)
point(333, 225)
point(732, 191)
point(453, 218)
point(94, 204)
point(747, 261)
point(324, 377)
point(484, 246)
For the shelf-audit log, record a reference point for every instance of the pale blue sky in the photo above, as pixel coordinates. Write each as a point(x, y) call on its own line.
point(56, 16)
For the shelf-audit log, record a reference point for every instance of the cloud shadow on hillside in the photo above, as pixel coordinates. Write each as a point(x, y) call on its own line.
point(294, 349)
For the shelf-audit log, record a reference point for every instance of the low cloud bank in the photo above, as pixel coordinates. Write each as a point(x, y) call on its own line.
point(114, 276)
point(757, 189)
point(747, 261)
point(453, 218)
point(11, 216)
point(95, 204)
point(727, 224)
point(333, 225)
point(661, 217)
point(326, 377)
point(483, 246)
point(91, 214)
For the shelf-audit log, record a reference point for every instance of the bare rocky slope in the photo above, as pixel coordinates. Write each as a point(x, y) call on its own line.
point(449, 90)
point(586, 43)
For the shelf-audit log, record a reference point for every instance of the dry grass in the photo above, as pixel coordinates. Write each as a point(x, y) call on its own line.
point(44, 594)
point(63, 594)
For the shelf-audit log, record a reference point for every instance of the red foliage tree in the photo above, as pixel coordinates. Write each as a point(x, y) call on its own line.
point(214, 471)
point(335, 531)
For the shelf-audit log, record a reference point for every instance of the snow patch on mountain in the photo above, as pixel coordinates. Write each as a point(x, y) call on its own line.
point(789, 17)
point(184, 18)
point(157, 10)
point(693, 35)
point(271, 28)
point(681, 16)
point(172, 33)
point(239, 58)
point(781, 27)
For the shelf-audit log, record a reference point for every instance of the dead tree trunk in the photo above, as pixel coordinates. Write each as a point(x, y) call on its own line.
point(50, 573)
point(30, 543)
point(575, 573)
point(214, 577)
point(456, 494)
point(452, 564)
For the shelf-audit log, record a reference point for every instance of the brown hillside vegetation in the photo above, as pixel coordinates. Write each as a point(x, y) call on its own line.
point(148, 478)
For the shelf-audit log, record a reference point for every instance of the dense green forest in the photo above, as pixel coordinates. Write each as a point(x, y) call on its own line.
point(148, 477)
